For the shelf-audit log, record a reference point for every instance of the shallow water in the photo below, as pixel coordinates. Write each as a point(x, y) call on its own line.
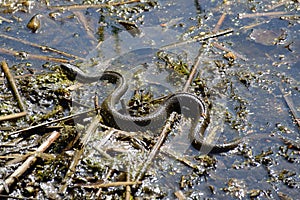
point(244, 93)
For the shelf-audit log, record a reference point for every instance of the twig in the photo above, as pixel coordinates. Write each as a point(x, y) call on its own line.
point(220, 22)
point(76, 159)
point(44, 48)
point(182, 160)
point(19, 158)
point(29, 162)
point(197, 39)
point(193, 72)
point(13, 156)
point(12, 84)
point(179, 195)
point(11, 143)
point(19, 77)
point(81, 7)
point(272, 7)
point(290, 105)
point(155, 148)
point(68, 178)
point(250, 26)
point(128, 188)
point(83, 21)
point(108, 176)
point(13, 116)
point(6, 20)
point(292, 143)
point(266, 14)
point(32, 56)
point(112, 184)
point(54, 121)
point(90, 130)
point(13, 197)
point(217, 45)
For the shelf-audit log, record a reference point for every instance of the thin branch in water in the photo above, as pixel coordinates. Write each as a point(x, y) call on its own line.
point(217, 45)
point(220, 22)
point(193, 72)
point(107, 177)
point(272, 7)
point(81, 7)
point(128, 188)
point(13, 116)
point(156, 147)
point(266, 14)
point(19, 77)
point(21, 157)
point(179, 194)
point(68, 178)
point(182, 160)
point(53, 121)
point(28, 163)
point(106, 185)
point(81, 18)
point(25, 55)
point(44, 48)
point(78, 153)
point(250, 26)
point(6, 20)
point(197, 39)
point(290, 106)
point(12, 84)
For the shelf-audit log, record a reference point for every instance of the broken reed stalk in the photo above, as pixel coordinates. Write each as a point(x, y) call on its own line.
point(156, 147)
point(53, 121)
point(81, 7)
point(6, 20)
point(128, 188)
point(107, 177)
point(32, 56)
point(272, 7)
point(28, 163)
point(13, 116)
point(217, 27)
point(217, 45)
point(16, 94)
point(180, 159)
point(72, 168)
point(197, 39)
point(198, 58)
point(12, 84)
point(44, 48)
point(290, 106)
point(18, 77)
point(112, 184)
point(77, 155)
point(179, 194)
point(82, 19)
point(266, 14)
point(193, 72)
point(219, 23)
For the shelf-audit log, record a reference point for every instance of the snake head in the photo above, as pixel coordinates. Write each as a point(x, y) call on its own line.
point(70, 70)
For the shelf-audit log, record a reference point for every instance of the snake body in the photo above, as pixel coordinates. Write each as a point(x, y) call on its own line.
point(184, 103)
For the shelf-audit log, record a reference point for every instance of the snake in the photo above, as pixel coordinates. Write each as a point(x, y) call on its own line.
point(185, 103)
